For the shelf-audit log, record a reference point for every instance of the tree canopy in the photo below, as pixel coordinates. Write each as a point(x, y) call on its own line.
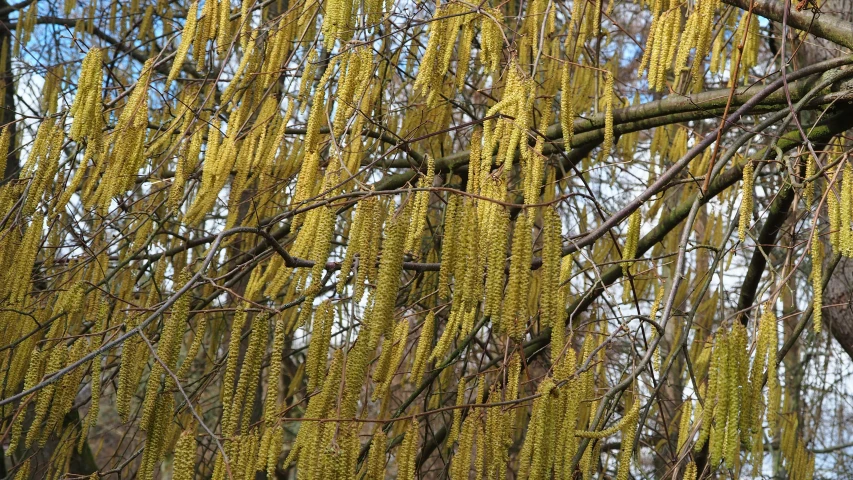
point(393, 239)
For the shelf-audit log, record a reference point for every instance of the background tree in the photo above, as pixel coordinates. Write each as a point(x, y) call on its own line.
point(520, 239)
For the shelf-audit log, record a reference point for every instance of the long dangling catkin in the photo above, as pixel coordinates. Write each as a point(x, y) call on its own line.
point(453, 434)
point(498, 235)
point(684, 424)
point(549, 299)
point(817, 281)
point(88, 98)
point(376, 456)
point(567, 113)
point(629, 432)
point(318, 348)
point(632, 239)
point(274, 372)
point(833, 211)
point(423, 349)
point(515, 310)
point(607, 143)
point(419, 211)
point(184, 463)
point(736, 373)
point(395, 350)
point(407, 453)
point(449, 245)
point(846, 212)
point(387, 284)
point(746, 202)
point(186, 39)
point(690, 471)
point(31, 378)
point(231, 363)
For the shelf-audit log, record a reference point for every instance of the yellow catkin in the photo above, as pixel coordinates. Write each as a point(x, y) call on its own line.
point(31, 378)
point(87, 101)
point(387, 284)
point(690, 471)
point(746, 201)
point(737, 364)
point(684, 424)
point(423, 350)
point(376, 456)
point(408, 451)
point(45, 395)
point(274, 372)
point(231, 364)
point(5, 141)
point(498, 234)
point(449, 245)
point(607, 143)
point(567, 114)
point(453, 434)
point(515, 310)
point(419, 210)
point(833, 209)
point(817, 281)
point(846, 213)
point(549, 299)
point(395, 348)
point(461, 461)
point(184, 463)
point(23, 471)
point(195, 347)
point(809, 188)
point(629, 431)
point(632, 239)
point(357, 242)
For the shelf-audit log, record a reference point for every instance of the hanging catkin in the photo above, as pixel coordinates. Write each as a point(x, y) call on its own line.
point(186, 39)
point(607, 143)
point(86, 108)
point(817, 281)
point(423, 349)
point(407, 453)
point(419, 210)
point(746, 201)
point(549, 299)
point(515, 312)
point(376, 456)
point(632, 239)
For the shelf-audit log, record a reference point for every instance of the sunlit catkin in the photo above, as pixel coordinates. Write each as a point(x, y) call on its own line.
point(632, 239)
point(817, 281)
point(607, 143)
point(186, 39)
point(746, 201)
point(87, 101)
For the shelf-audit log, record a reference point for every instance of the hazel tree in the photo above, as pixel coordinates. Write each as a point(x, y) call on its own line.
point(390, 239)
